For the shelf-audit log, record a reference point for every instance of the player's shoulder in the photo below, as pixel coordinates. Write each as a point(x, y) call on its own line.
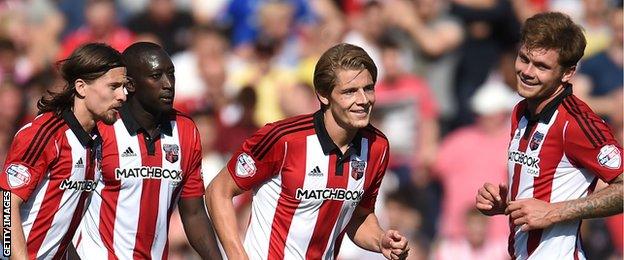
point(182, 117)
point(47, 124)
point(582, 121)
point(288, 127)
point(375, 135)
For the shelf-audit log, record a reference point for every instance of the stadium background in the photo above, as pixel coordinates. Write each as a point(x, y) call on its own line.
point(443, 93)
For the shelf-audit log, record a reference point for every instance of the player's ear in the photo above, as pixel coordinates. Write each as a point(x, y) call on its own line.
point(324, 100)
point(80, 86)
point(568, 73)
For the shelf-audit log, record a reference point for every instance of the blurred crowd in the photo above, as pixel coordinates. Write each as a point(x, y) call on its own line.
point(444, 92)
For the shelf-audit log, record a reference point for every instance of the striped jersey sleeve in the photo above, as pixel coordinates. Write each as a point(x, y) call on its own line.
point(589, 142)
point(193, 183)
point(30, 155)
point(260, 157)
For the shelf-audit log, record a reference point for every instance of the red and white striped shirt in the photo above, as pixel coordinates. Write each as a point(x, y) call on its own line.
point(51, 166)
point(304, 189)
point(142, 180)
point(557, 155)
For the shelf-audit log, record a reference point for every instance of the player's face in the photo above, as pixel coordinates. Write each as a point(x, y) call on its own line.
point(352, 99)
point(104, 96)
point(155, 83)
point(539, 74)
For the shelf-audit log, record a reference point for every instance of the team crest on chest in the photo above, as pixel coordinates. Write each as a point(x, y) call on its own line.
point(536, 140)
point(357, 169)
point(172, 152)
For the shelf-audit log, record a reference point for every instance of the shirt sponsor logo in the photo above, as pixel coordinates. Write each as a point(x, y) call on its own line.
point(521, 158)
point(245, 166)
point(148, 173)
point(79, 185)
point(329, 194)
point(357, 169)
point(610, 157)
point(18, 175)
point(171, 152)
point(536, 140)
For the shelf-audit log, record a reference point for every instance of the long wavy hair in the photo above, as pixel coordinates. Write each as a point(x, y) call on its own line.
point(88, 62)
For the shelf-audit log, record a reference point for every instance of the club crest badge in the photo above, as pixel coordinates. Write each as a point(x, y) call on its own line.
point(610, 157)
point(245, 166)
point(18, 175)
point(172, 152)
point(357, 169)
point(536, 140)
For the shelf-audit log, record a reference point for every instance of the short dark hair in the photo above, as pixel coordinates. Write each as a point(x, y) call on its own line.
point(554, 30)
point(88, 62)
point(133, 55)
point(342, 56)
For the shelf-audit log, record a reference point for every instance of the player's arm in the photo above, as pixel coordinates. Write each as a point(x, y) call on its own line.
point(366, 233)
point(219, 196)
point(18, 241)
point(198, 228)
point(536, 214)
point(603, 203)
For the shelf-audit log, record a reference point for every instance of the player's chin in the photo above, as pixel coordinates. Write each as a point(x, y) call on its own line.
point(360, 122)
point(109, 117)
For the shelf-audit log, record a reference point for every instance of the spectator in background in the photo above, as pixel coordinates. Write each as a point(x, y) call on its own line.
point(163, 21)
point(600, 80)
point(100, 26)
point(300, 100)
point(237, 121)
point(33, 27)
point(243, 17)
point(595, 25)
point(491, 34)
point(366, 28)
point(406, 110)
point(461, 170)
point(433, 36)
point(202, 71)
point(475, 244)
point(268, 81)
point(329, 31)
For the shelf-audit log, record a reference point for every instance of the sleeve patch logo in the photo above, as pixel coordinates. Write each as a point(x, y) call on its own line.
point(245, 166)
point(18, 175)
point(610, 157)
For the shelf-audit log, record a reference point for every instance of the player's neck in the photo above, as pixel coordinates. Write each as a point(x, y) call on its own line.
point(341, 136)
point(536, 106)
point(84, 117)
point(147, 120)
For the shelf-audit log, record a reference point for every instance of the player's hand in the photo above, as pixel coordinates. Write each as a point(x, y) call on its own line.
point(491, 199)
point(393, 245)
point(532, 213)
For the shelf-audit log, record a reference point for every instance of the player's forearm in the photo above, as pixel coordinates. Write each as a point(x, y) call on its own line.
point(223, 216)
point(18, 242)
point(365, 232)
point(198, 228)
point(603, 203)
